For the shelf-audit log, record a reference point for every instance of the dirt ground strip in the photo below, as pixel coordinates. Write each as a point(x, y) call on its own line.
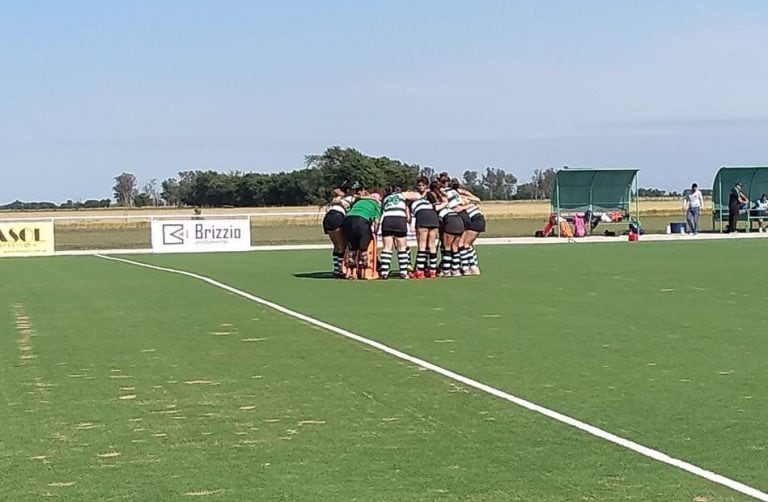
point(507, 209)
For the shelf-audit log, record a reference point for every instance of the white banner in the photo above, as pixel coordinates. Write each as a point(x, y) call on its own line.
point(26, 238)
point(199, 236)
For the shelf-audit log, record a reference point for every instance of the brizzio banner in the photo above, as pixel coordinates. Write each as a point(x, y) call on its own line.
point(199, 236)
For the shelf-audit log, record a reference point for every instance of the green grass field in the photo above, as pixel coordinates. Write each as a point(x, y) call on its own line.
point(124, 383)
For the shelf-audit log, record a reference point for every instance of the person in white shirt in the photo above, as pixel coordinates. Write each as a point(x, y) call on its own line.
point(692, 204)
point(761, 211)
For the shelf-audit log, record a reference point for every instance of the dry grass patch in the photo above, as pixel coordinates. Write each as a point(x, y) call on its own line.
point(139, 218)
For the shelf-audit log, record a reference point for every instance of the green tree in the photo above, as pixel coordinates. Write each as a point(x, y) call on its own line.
point(527, 191)
point(142, 200)
point(152, 191)
point(125, 189)
point(338, 165)
point(543, 183)
point(312, 185)
point(498, 184)
point(171, 192)
point(472, 182)
point(650, 192)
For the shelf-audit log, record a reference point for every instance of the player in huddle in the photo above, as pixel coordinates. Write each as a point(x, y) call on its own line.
point(441, 211)
point(427, 224)
point(360, 226)
point(342, 201)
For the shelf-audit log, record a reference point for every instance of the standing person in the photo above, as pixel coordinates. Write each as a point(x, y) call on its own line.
point(363, 215)
point(477, 226)
point(427, 224)
point(735, 201)
point(394, 228)
point(451, 230)
point(332, 223)
point(459, 200)
point(692, 204)
point(453, 191)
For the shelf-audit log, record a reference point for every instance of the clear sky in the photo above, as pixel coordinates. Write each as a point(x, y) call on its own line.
point(89, 89)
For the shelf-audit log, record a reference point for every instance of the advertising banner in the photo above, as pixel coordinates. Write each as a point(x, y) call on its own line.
point(26, 238)
point(200, 236)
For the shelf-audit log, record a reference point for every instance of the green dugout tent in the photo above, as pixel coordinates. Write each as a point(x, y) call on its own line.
point(755, 183)
point(597, 190)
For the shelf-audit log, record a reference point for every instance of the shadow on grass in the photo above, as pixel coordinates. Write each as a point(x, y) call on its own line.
point(314, 275)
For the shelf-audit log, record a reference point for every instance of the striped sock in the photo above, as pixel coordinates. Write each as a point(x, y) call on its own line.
point(464, 259)
point(403, 259)
point(473, 257)
point(386, 261)
point(338, 258)
point(447, 261)
point(421, 260)
point(433, 261)
point(456, 263)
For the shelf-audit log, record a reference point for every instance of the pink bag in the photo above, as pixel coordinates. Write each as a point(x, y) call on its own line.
point(580, 229)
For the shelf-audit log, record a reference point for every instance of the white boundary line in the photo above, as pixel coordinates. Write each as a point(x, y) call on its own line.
point(631, 445)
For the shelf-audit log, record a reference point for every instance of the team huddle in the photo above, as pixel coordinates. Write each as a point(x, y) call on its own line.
point(441, 212)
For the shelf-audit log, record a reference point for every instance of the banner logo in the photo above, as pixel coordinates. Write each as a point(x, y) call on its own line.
point(25, 238)
point(173, 234)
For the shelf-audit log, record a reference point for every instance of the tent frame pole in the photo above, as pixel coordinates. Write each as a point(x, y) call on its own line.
point(557, 221)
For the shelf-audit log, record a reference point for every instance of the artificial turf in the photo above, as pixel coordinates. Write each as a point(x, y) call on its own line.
point(661, 343)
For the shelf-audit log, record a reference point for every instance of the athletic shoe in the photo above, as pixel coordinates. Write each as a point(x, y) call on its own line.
point(419, 274)
point(432, 274)
point(383, 277)
point(474, 271)
point(455, 273)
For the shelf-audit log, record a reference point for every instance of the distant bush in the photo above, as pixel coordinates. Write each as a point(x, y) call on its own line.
point(49, 206)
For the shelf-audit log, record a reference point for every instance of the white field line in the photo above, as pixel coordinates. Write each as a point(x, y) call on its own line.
point(631, 445)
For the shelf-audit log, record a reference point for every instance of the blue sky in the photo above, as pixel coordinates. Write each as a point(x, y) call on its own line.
point(89, 89)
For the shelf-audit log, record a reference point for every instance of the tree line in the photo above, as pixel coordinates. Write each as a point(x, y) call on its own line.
point(312, 185)
point(18, 205)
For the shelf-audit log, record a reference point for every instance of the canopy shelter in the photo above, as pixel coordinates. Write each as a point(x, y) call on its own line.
point(598, 191)
point(754, 183)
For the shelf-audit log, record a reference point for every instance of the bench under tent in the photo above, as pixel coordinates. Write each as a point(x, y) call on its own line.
point(597, 192)
point(754, 183)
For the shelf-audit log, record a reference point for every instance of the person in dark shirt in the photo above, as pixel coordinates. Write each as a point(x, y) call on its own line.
point(735, 201)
